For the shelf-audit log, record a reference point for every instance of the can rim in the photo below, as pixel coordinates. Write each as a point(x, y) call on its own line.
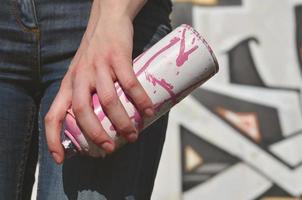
point(210, 49)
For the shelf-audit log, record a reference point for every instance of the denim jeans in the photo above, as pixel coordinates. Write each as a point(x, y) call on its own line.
point(37, 42)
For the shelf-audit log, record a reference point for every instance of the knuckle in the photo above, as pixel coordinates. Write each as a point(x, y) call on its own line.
point(64, 83)
point(51, 144)
point(97, 137)
point(79, 70)
point(130, 84)
point(75, 79)
point(78, 108)
point(66, 79)
point(108, 99)
point(123, 59)
point(49, 118)
point(75, 71)
point(97, 61)
point(85, 40)
point(125, 128)
point(143, 101)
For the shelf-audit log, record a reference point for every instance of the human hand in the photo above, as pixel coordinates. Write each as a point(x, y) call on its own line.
point(104, 56)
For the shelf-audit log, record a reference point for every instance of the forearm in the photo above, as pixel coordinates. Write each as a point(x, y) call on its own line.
point(124, 8)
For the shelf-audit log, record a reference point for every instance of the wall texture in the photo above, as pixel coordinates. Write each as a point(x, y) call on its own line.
point(239, 136)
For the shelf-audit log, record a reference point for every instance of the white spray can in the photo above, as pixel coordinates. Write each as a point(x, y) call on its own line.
point(168, 71)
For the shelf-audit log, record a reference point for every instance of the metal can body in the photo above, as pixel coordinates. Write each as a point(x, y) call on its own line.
point(168, 71)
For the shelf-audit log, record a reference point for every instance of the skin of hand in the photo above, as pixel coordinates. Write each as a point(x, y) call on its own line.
point(103, 57)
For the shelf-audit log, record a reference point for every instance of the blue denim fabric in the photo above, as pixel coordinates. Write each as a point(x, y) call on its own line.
point(37, 42)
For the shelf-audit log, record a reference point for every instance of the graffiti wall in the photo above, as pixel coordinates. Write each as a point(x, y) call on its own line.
point(239, 136)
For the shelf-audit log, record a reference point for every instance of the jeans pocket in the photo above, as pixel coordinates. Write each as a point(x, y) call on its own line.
point(25, 14)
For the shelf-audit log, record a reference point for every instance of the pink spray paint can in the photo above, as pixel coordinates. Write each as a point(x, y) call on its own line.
point(168, 71)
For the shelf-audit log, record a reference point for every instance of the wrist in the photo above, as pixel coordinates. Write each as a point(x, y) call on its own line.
point(120, 9)
point(111, 25)
point(110, 21)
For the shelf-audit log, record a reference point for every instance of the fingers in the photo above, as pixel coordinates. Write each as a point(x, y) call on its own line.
point(113, 107)
point(131, 86)
point(53, 122)
point(85, 116)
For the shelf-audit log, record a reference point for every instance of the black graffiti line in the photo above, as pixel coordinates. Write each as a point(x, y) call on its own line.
point(256, 169)
point(266, 149)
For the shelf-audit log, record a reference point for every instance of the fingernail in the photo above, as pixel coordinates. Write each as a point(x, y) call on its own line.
point(149, 112)
point(132, 137)
point(56, 156)
point(108, 147)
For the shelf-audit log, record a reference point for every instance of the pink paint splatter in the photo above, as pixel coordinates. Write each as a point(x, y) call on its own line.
point(181, 59)
point(98, 108)
point(118, 89)
point(112, 128)
point(193, 41)
point(120, 92)
point(74, 141)
point(159, 105)
point(71, 125)
point(162, 82)
point(137, 119)
point(183, 56)
point(117, 86)
point(176, 99)
point(95, 100)
point(146, 65)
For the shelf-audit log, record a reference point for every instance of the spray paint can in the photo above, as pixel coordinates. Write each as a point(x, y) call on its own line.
point(168, 71)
